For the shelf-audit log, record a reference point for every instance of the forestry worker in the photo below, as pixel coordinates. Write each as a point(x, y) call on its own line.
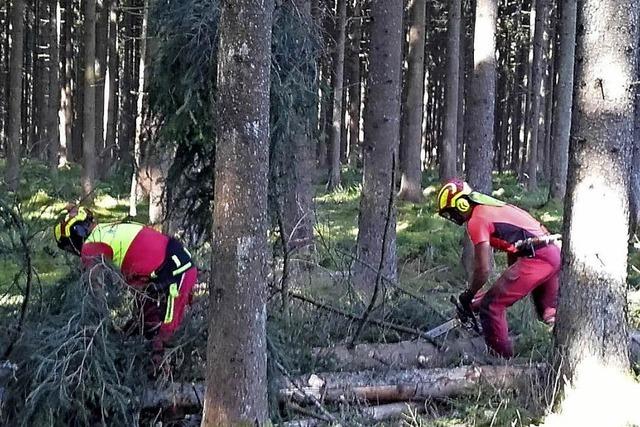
point(149, 261)
point(533, 269)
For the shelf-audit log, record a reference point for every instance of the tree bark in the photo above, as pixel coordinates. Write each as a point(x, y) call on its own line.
point(563, 104)
point(634, 193)
point(112, 91)
point(55, 108)
point(405, 385)
point(126, 109)
point(536, 89)
point(590, 332)
point(481, 98)
point(89, 110)
point(14, 122)
point(102, 33)
point(411, 131)
point(377, 218)
point(140, 104)
point(353, 73)
point(448, 157)
point(337, 78)
point(66, 92)
point(237, 348)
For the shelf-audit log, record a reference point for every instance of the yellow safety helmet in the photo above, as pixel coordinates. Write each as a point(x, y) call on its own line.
point(72, 228)
point(454, 194)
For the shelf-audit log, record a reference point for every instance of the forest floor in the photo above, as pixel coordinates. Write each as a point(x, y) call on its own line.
point(429, 272)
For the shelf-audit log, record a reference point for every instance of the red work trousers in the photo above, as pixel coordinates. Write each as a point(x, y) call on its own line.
point(539, 277)
point(155, 313)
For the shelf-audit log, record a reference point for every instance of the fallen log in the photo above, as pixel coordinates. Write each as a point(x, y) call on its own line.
point(386, 412)
point(405, 385)
point(174, 394)
point(404, 354)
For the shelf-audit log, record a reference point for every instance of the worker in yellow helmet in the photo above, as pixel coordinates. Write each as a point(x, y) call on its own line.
point(149, 261)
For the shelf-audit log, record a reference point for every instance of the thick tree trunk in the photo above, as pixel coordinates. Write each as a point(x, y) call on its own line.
point(337, 78)
point(353, 73)
point(448, 156)
point(55, 108)
point(377, 218)
point(563, 104)
point(536, 93)
point(237, 347)
point(590, 332)
point(14, 122)
point(481, 103)
point(411, 131)
point(89, 110)
point(634, 193)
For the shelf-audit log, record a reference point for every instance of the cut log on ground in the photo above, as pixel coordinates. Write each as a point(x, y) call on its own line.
point(405, 385)
point(389, 411)
point(401, 355)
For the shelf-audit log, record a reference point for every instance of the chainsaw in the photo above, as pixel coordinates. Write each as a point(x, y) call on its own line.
point(465, 317)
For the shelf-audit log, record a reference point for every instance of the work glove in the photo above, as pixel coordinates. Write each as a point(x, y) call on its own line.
point(465, 299)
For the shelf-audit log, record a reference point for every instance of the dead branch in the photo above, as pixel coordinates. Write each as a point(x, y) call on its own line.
point(384, 412)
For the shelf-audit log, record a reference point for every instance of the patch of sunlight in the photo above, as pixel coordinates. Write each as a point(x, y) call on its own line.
point(10, 300)
point(106, 201)
point(549, 217)
point(499, 192)
point(430, 190)
point(600, 395)
point(401, 226)
point(353, 232)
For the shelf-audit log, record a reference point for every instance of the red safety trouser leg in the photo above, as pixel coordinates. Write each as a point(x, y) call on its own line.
point(538, 276)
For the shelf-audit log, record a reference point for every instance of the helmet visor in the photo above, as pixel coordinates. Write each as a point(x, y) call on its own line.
point(453, 215)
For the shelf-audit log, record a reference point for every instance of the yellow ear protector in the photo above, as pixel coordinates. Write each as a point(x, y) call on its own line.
point(462, 204)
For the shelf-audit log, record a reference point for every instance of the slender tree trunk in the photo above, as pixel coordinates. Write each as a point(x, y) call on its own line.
point(55, 107)
point(77, 51)
point(112, 89)
point(450, 138)
point(591, 329)
point(237, 348)
point(126, 110)
point(102, 32)
point(411, 131)
point(537, 87)
point(14, 123)
point(337, 78)
point(563, 104)
point(353, 72)
point(137, 148)
point(39, 81)
point(89, 110)
point(481, 100)
point(377, 219)
point(66, 91)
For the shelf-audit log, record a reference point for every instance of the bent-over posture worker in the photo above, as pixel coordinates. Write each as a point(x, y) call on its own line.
point(534, 269)
point(155, 264)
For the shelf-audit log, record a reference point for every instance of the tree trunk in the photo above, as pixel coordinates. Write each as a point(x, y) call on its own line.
point(89, 110)
point(405, 385)
point(377, 218)
point(137, 147)
point(353, 72)
point(77, 52)
point(66, 91)
point(126, 109)
point(563, 104)
point(14, 122)
point(591, 331)
point(112, 90)
point(337, 77)
point(237, 347)
point(448, 156)
point(55, 108)
point(39, 81)
point(102, 33)
point(481, 98)
point(411, 131)
point(536, 93)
